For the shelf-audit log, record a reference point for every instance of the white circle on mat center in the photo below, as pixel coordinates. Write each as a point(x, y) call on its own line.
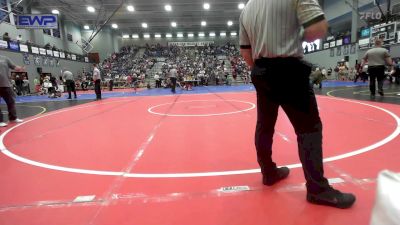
point(153, 111)
point(359, 151)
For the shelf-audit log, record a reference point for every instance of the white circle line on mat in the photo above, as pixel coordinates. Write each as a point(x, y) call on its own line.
point(384, 141)
point(151, 109)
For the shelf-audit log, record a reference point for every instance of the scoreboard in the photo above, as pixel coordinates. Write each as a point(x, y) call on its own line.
point(386, 32)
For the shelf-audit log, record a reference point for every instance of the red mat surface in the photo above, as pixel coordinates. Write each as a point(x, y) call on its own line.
point(164, 160)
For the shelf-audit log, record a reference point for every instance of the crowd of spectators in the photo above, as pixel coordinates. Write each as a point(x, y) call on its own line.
point(124, 68)
point(196, 65)
point(240, 70)
point(199, 65)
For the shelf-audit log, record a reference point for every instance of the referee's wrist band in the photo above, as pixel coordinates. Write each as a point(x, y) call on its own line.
point(245, 46)
point(314, 21)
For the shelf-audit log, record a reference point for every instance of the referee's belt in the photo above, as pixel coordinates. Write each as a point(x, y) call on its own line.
point(376, 66)
point(266, 62)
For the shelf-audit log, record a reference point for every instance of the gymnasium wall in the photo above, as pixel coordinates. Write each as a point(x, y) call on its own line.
point(323, 58)
point(105, 43)
point(75, 67)
point(164, 41)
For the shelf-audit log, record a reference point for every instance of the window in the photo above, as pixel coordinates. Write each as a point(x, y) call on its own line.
point(69, 37)
point(4, 11)
point(17, 11)
point(56, 33)
point(47, 31)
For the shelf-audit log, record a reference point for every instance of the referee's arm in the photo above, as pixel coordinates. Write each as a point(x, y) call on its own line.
point(312, 18)
point(245, 45)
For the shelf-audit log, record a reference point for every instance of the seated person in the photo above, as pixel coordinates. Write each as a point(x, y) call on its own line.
point(188, 80)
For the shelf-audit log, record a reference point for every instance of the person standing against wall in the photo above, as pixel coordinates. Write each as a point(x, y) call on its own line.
point(376, 58)
point(6, 91)
point(275, 55)
point(97, 82)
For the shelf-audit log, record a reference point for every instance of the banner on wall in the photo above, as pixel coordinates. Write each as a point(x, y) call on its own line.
point(35, 50)
point(190, 44)
point(26, 59)
point(37, 21)
point(3, 44)
point(42, 51)
point(37, 60)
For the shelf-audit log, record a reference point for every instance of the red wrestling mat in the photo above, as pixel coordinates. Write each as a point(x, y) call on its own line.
point(186, 159)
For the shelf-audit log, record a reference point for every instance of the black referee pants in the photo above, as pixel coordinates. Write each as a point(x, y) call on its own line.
point(70, 88)
point(173, 84)
point(285, 83)
point(376, 73)
point(9, 97)
point(97, 89)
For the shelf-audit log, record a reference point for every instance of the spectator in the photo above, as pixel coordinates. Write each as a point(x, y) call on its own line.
point(157, 79)
point(6, 37)
point(19, 84)
point(5, 89)
point(316, 78)
point(19, 38)
point(25, 86)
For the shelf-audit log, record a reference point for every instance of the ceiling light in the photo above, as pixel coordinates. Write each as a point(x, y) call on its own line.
point(233, 34)
point(168, 35)
point(241, 5)
point(125, 36)
point(190, 35)
point(136, 36)
point(157, 36)
point(206, 6)
point(130, 8)
point(55, 11)
point(173, 24)
point(168, 8)
point(91, 9)
point(222, 34)
point(144, 25)
point(201, 35)
point(146, 36)
point(230, 23)
point(203, 23)
point(179, 35)
point(114, 25)
point(212, 34)
point(86, 27)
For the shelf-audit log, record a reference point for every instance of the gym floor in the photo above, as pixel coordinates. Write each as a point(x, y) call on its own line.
point(189, 158)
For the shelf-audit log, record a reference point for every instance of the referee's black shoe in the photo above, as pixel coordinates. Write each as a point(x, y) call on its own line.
point(278, 174)
point(332, 197)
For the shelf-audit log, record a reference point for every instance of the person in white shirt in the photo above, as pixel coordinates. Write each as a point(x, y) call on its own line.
point(19, 38)
point(97, 82)
point(70, 82)
point(157, 79)
point(172, 76)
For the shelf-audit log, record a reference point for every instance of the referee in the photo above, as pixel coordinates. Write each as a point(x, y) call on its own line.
point(271, 36)
point(173, 73)
point(97, 82)
point(70, 83)
point(377, 58)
